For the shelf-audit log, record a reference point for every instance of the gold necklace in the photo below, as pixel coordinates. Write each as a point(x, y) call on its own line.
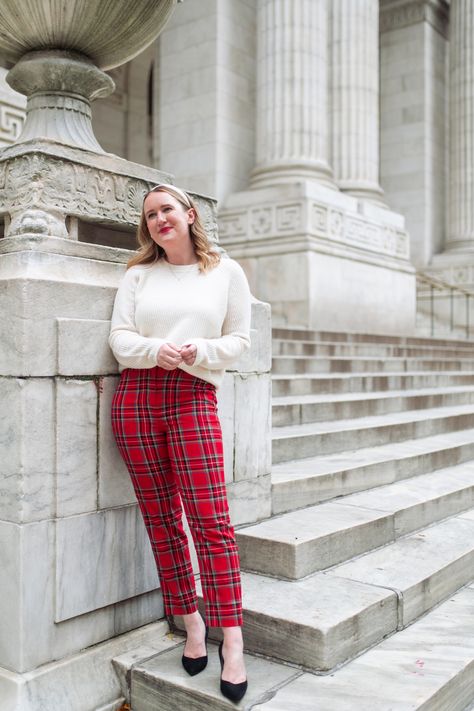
point(185, 269)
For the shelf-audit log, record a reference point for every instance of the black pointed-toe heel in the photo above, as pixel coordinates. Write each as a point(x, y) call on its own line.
point(233, 692)
point(194, 666)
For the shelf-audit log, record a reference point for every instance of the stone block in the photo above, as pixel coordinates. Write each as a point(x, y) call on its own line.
point(318, 622)
point(83, 348)
point(302, 542)
point(40, 639)
point(115, 486)
point(82, 681)
point(114, 542)
point(250, 499)
point(428, 665)
point(124, 663)
point(162, 683)
point(56, 287)
point(76, 446)
point(25, 587)
point(258, 359)
point(27, 439)
point(10, 599)
point(252, 456)
point(425, 568)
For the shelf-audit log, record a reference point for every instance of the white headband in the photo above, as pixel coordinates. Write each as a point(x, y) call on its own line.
point(180, 192)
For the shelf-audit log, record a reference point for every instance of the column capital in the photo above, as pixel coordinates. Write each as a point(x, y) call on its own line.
point(395, 14)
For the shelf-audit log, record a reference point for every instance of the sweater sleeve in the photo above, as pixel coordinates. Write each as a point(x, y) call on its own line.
point(219, 353)
point(130, 348)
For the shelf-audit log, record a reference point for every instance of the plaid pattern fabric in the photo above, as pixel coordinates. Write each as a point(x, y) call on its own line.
point(167, 430)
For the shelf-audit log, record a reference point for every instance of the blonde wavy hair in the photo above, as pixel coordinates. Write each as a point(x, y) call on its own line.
point(149, 252)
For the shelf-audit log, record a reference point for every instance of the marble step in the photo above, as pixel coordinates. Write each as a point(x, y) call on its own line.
point(283, 347)
point(321, 621)
point(300, 409)
point(161, 684)
point(285, 333)
point(366, 382)
point(304, 482)
point(302, 542)
point(282, 365)
point(318, 438)
point(427, 667)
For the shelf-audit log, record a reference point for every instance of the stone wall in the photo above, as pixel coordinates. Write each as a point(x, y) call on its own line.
point(77, 565)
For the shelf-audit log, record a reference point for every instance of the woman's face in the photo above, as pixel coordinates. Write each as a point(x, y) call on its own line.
point(168, 221)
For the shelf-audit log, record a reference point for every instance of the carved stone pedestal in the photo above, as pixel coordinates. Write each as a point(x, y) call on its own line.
point(77, 569)
point(323, 259)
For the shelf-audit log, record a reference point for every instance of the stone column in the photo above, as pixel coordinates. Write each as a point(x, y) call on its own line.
point(355, 96)
point(460, 233)
point(291, 92)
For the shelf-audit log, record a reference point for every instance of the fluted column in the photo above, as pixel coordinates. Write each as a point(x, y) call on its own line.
point(460, 232)
point(355, 96)
point(291, 91)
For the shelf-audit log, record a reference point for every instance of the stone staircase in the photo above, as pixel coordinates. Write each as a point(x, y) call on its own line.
point(359, 590)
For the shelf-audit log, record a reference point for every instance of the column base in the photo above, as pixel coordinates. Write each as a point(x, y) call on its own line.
point(292, 172)
point(372, 192)
point(323, 259)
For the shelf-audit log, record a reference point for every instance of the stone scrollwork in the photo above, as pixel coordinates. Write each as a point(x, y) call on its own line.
point(48, 183)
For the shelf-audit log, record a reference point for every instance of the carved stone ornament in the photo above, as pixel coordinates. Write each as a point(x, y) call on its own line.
point(36, 184)
point(11, 123)
point(274, 221)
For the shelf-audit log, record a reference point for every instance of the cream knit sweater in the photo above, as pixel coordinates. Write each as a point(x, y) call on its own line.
point(166, 303)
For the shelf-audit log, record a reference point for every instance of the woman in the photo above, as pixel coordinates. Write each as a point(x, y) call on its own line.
point(181, 316)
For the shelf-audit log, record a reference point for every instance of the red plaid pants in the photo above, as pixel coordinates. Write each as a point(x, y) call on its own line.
point(167, 430)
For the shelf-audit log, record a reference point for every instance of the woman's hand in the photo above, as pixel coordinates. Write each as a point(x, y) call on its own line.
point(169, 356)
point(188, 354)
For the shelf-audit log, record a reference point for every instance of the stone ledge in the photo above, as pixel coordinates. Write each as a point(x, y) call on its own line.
point(61, 685)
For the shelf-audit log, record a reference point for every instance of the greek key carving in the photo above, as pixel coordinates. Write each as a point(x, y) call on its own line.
point(326, 222)
point(11, 123)
point(288, 217)
point(233, 225)
point(336, 224)
point(319, 218)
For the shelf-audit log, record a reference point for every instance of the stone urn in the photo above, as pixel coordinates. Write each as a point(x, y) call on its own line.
point(59, 51)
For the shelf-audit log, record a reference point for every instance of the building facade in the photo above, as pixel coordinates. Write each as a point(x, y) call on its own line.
point(335, 136)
